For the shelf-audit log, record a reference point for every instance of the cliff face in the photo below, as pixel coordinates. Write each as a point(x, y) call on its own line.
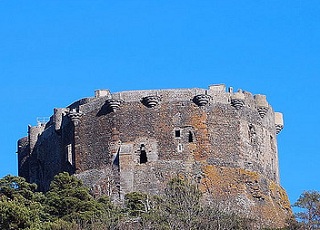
point(138, 140)
point(255, 195)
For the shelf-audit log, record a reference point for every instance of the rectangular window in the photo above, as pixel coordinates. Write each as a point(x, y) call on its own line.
point(69, 152)
point(177, 133)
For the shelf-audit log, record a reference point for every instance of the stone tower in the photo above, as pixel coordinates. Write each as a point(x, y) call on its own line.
point(138, 140)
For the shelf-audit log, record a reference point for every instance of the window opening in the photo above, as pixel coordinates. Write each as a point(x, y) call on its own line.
point(190, 137)
point(252, 133)
point(179, 148)
point(119, 191)
point(272, 143)
point(177, 133)
point(116, 160)
point(143, 155)
point(69, 154)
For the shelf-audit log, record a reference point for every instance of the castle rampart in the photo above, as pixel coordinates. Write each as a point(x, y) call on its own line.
point(137, 140)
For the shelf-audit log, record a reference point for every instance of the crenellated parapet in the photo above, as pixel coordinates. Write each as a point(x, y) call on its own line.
point(200, 97)
point(102, 93)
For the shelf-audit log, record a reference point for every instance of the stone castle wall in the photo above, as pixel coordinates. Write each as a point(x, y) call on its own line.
point(138, 140)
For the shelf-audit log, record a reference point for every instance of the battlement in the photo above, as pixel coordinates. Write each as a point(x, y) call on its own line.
point(214, 94)
point(151, 98)
point(217, 93)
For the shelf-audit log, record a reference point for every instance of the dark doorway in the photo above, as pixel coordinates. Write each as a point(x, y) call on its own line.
point(143, 155)
point(190, 137)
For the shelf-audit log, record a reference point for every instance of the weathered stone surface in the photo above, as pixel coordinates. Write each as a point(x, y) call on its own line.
point(255, 195)
point(138, 140)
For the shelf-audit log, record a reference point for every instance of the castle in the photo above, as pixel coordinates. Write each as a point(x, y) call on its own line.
point(138, 140)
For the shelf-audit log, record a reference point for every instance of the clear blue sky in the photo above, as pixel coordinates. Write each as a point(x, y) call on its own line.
point(55, 52)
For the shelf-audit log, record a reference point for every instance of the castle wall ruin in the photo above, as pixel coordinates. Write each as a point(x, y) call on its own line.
point(138, 140)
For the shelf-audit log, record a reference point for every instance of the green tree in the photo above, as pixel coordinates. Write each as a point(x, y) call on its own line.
point(20, 205)
point(309, 202)
point(180, 207)
point(69, 200)
point(182, 204)
point(136, 203)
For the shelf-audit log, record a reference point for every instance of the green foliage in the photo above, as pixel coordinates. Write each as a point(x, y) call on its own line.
point(292, 224)
point(136, 203)
point(309, 202)
point(182, 204)
point(180, 208)
point(69, 200)
point(13, 187)
point(68, 205)
point(20, 206)
point(59, 225)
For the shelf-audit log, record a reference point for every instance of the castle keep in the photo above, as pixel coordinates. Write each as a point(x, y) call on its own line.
point(138, 140)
